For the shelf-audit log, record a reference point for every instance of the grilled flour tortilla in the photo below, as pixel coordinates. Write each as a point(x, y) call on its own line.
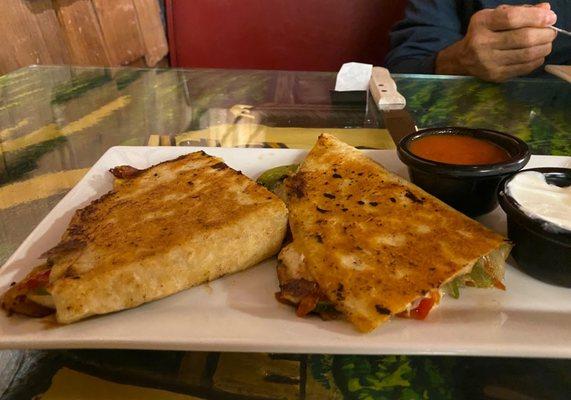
point(161, 230)
point(373, 245)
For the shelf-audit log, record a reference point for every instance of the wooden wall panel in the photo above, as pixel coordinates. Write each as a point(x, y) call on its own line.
point(81, 27)
point(151, 30)
point(118, 20)
point(29, 35)
point(46, 25)
point(81, 32)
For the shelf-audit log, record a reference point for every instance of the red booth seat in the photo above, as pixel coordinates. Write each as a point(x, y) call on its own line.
point(312, 35)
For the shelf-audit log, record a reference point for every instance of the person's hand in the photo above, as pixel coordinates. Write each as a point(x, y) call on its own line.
point(501, 43)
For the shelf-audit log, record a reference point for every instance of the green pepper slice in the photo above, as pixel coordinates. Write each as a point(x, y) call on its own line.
point(272, 177)
point(480, 277)
point(453, 289)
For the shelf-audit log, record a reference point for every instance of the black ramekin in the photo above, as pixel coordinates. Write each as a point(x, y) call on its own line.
point(471, 189)
point(541, 249)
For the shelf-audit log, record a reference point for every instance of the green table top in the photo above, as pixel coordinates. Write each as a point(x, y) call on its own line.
point(55, 122)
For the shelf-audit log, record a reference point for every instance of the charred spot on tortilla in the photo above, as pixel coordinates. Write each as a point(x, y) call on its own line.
point(382, 310)
point(75, 229)
point(219, 166)
point(321, 210)
point(412, 197)
point(339, 293)
point(329, 195)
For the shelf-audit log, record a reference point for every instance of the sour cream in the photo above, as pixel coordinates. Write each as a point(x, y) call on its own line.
point(540, 200)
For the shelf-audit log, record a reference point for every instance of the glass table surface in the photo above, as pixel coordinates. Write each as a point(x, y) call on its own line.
point(55, 122)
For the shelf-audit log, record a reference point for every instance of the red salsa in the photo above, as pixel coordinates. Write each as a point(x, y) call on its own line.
point(458, 149)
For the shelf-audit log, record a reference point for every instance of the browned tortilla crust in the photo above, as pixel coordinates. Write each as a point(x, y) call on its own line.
point(372, 241)
point(162, 230)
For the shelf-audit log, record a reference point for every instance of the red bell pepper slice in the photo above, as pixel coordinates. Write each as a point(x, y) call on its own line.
point(423, 308)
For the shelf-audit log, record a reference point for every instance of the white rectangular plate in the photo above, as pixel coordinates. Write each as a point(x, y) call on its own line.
point(239, 312)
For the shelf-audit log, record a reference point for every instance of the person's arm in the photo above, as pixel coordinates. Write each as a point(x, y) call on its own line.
point(428, 27)
point(501, 43)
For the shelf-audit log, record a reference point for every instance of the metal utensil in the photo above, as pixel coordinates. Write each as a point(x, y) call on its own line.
point(391, 104)
point(559, 30)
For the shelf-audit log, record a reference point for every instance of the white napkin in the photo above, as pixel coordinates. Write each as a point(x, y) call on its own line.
point(353, 76)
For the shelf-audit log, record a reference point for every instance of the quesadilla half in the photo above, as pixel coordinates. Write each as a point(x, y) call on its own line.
point(370, 245)
point(159, 231)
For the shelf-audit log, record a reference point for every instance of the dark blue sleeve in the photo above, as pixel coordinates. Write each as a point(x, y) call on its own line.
point(428, 27)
